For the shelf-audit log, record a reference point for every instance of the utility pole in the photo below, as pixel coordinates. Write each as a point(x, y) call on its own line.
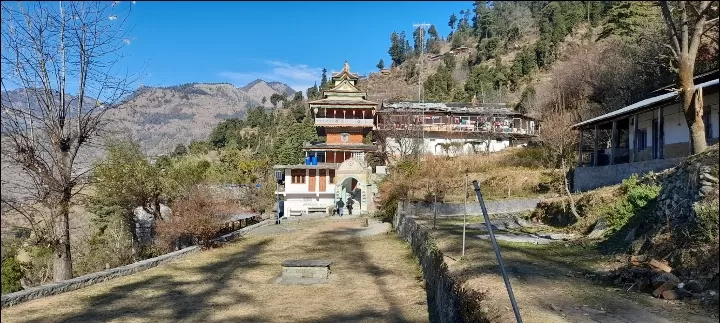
point(422, 27)
point(465, 215)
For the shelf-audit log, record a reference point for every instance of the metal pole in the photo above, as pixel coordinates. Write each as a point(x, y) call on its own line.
point(497, 251)
point(465, 215)
point(435, 207)
point(422, 27)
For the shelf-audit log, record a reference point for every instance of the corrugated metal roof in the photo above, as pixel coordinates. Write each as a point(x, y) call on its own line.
point(642, 104)
point(704, 77)
point(485, 108)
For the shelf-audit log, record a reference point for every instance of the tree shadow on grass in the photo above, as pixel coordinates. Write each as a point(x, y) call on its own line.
point(364, 315)
point(348, 248)
point(164, 298)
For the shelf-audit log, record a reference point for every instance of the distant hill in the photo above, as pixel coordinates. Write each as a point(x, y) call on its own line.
point(161, 117)
point(260, 89)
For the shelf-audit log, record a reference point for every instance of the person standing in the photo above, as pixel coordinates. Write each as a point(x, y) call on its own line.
point(349, 204)
point(339, 206)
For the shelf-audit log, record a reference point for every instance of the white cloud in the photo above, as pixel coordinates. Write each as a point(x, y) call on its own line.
point(299, 77)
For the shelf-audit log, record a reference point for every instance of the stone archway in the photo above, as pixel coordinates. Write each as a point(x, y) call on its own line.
point(351, 177)
point(350, 187)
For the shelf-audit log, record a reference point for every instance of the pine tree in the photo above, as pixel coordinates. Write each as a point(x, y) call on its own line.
point(626, 18)
point(380, 65)
point(396, 50)
point(323, 79)
point(432, 32)
point(451, 22)
point(313, 92)
point(456, 40)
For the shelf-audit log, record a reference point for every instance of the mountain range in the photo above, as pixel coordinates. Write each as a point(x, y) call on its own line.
point(159, 118)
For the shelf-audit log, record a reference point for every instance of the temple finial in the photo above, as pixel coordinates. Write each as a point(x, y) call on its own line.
point(347, 67)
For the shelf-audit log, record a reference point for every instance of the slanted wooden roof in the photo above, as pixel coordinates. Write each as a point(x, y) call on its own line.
point(345, 73)
point(331, 101)
point(344, 86)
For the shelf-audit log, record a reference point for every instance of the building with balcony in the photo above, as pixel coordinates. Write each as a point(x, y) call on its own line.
point(452, 128)
point(333, 169)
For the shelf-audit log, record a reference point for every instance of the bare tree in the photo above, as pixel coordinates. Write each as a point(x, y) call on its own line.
point(50, 50)
point(400, 134)
point(687, 22)
point(559, 139)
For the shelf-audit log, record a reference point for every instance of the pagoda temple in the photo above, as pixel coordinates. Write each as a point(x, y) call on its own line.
point(334, 169)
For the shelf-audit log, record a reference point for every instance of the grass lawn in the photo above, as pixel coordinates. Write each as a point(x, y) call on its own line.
point(377, 281)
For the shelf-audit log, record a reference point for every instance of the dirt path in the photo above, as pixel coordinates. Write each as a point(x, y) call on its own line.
point(376, 281)
point(552, 283)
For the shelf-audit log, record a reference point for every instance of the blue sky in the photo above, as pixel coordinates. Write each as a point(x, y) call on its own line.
point(290, 42)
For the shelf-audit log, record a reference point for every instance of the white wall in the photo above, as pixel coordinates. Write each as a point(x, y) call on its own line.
point(303, 201)
point(433, 145)
point(675, 127)
point(297, 197)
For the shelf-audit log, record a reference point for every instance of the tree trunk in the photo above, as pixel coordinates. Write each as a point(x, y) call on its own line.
point(692, 107)
point(133, 232)
point(62, 261)
point(567, 191)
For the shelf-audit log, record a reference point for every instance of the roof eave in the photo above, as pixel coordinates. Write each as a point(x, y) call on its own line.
point(651, 103)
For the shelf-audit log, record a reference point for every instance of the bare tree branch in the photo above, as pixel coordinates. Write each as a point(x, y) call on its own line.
point(49, 51)
point(672, 30)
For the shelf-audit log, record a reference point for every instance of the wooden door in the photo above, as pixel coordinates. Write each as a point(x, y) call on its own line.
point(311, 180)
point(323, 180)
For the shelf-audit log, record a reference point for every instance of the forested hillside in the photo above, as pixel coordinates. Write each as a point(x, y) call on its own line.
point(600, 54)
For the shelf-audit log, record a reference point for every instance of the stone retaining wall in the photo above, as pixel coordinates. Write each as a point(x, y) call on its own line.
point(105, 275)
point(590, 178)
point(446, 297)
point(493, 207)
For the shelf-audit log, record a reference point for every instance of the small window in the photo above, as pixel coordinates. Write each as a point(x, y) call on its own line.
point(298, 176)
point(641, 139)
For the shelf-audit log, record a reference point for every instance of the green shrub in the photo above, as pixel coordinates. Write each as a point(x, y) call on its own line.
point(531, 157)
point(706, 222)
point(12, 273)
point(635, 200)
point(12, 269)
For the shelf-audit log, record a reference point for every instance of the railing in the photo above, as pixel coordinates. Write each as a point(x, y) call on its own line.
point(343, 122)
point(458, 128)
